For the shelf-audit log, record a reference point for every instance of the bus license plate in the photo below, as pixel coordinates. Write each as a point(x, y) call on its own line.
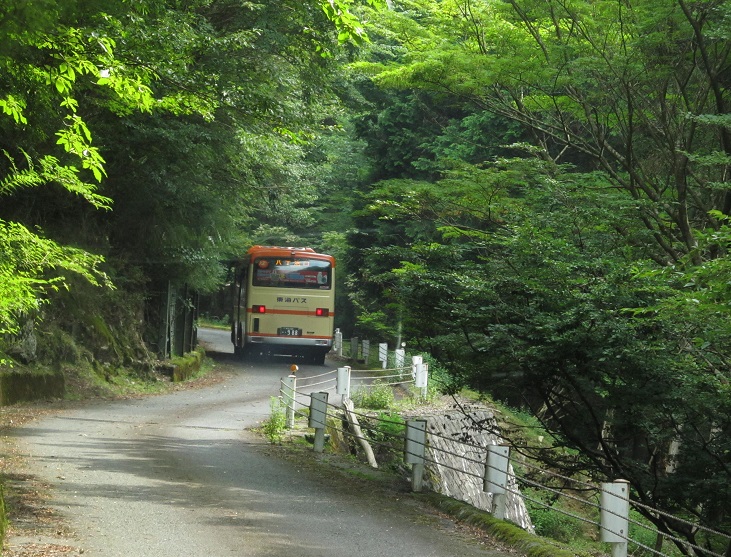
point(289, 332)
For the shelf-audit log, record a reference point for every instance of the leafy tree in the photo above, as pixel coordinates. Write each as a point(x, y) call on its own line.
point(531, 293)
point(633, 91)
point(225, 84)
point(589, 271)
point(47, 56)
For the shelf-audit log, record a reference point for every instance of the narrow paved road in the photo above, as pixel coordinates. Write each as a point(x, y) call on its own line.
point(182, 475)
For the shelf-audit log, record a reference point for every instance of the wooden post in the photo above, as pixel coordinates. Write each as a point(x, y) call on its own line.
point(358, 433)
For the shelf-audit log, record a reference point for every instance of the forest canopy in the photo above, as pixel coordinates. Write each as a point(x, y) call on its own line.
point(549, 218)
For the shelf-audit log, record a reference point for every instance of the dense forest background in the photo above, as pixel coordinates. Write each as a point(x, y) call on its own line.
point(536, 193)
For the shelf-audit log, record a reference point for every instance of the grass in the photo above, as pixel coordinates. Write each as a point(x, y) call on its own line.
point(376, 396)
point(274, 427)
point(211, 322)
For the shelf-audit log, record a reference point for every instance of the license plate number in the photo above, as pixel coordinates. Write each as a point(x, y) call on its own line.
point(289, 332)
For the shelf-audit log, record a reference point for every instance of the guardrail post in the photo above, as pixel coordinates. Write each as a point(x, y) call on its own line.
point(354, 342)
point(615, 516)
point(383, 354)
point(414, 450)
point(415, 360)
point(289, 388)
point(496, 478)
point(338, 343)
point(421, 377)
point(318, 418)
point(342, 385)
point(365, 347)
point(400, 357)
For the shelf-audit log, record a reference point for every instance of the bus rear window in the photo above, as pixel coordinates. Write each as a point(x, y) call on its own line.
point(292, 273)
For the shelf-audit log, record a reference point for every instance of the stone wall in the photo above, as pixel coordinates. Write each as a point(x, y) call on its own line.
point(456, 460)
point(22, 385)
point(182, 368)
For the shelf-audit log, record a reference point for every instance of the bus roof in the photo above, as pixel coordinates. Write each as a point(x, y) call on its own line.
point(296, 253)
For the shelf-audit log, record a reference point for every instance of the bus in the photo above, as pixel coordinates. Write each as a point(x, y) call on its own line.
point(284, 303)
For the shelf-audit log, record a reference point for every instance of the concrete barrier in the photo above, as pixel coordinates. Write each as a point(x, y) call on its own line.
point(22, 385)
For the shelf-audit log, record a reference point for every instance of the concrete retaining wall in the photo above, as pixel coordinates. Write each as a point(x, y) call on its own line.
point(456, 462)
point(22, 386)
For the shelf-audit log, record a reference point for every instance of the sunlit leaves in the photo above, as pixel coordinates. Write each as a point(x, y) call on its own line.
point(31, 266)
point(348, 25)
point(48, 170)
point(617, 85)
point(14, 107)
point(50, 65)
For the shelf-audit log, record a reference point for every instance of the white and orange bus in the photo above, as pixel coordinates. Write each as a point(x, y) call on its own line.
point(284, 303)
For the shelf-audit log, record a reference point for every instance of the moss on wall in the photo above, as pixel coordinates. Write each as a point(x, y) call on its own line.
point(184, 367)
point(22, 384)
point(510, 534)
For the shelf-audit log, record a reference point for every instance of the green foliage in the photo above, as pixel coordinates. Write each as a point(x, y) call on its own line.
point(48, 170)
point(31, 266)
point(349, 27)
point(386, 433)
point(274, 426)
point(376, 396)
point(576, 93)
point(552, 521)
point(47, 66)
point(197, 121)
point(537, 283)
point(390, 425)
point(643, 532)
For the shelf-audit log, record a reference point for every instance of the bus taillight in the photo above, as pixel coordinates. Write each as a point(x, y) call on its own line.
point(322, 312)
point(259, 309)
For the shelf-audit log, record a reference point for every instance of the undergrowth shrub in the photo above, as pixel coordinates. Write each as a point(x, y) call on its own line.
point(550, 522)
point(386, 432)
point(377, 396)
point(275, 425)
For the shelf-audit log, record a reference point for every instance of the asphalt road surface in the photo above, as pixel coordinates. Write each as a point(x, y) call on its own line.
point(184, 475)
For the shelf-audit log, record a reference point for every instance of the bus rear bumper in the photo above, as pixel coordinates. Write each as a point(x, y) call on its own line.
point(290, 341)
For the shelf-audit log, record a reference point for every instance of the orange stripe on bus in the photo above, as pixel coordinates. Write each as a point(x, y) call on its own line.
point(287, 312)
